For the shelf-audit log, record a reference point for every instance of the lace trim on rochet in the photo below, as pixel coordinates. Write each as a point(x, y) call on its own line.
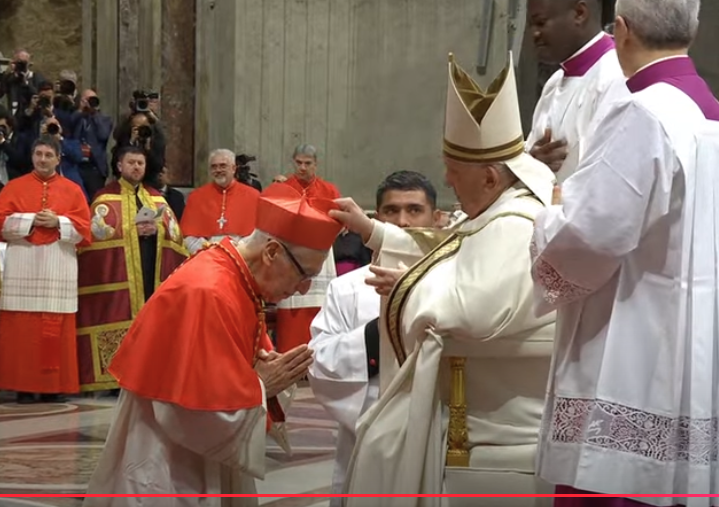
point(557, 290)
point(624, 429)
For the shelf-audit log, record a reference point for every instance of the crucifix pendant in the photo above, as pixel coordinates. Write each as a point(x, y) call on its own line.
point(222, 222)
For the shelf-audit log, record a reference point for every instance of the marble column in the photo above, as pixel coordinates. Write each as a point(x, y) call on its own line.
point(178, 88)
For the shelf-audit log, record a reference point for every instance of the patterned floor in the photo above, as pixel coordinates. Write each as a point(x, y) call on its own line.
point(53, 448)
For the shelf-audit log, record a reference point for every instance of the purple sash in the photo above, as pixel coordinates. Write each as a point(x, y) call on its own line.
point(680, 73)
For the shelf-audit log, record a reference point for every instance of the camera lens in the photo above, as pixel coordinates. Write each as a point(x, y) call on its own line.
point(144, 132)
point(142, 105)
point(53, 129)
point(4, 131)
point(94, 102)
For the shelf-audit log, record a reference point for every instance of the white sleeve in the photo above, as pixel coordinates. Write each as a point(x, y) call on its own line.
point(193, 244)
point(68, 233)
point(338, 376)
point(234, 439)
point(619, 192)
point(18, 226)
point(394, 245)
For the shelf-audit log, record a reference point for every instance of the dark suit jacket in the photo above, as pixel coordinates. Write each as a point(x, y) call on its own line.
point(176, 200)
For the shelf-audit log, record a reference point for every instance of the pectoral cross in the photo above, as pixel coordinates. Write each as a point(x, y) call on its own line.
point(222, 222)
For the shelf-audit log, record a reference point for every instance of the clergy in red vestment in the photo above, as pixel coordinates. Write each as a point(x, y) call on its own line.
point(43, 218)
point(295, 314)
point(200, 381)
point(137, 243)
point(223, 207)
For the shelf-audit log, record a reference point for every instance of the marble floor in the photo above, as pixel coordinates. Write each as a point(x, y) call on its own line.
point(53, 448)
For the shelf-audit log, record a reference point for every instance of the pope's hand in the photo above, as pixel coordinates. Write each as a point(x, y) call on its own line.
point(552, 153)
point(280, 371)
point(385, 278)
point(353, 217)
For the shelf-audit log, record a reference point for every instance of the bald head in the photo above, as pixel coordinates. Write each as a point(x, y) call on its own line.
point(560, 28)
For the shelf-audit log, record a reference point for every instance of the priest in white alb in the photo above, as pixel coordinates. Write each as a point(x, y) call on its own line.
point(569, 33)
point(461, 323)
point(629, 259)
point(345, 333)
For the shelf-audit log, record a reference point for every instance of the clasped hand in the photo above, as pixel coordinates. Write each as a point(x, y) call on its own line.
point(46, 218)
point(385, 278)
point(280, 371)
point(551, 153)
point(146, 228)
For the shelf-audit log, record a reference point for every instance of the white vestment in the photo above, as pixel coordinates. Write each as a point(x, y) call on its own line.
point(471, 297)
point(338, 376)
point(568, 105)
point(630, 260)
point(39, 278)
point(162, 448)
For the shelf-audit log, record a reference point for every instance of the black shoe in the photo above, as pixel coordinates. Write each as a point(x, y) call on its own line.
point(52, 398)
point(24, 398)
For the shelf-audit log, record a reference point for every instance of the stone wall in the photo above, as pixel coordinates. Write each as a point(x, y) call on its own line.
point(51, 30)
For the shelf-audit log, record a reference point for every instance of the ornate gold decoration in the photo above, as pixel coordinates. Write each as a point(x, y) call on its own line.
point(107, 344)
point(457, 433)
point(428, 238)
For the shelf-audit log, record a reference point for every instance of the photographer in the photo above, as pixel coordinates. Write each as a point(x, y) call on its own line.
point(139, 130)
point(244, 174)
point(36, 111)
point(92, 129)
point(65, 101)
point(19, 82)
point(70, 152)
point(12, 161)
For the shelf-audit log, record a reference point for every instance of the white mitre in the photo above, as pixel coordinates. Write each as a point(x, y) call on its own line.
point(486, 127)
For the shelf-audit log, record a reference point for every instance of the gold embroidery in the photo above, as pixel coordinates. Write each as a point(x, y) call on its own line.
point(107, 344)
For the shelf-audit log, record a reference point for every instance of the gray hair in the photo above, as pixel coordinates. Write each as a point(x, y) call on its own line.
point(662, 24)
point(222, 152)
point(259, 238)
point(305, 149)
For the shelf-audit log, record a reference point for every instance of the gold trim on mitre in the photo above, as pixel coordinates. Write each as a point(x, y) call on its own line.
point(482, 126)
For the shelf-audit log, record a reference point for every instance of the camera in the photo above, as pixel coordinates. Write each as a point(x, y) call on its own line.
point(53, 129)
point(66, 87)
point(43, 102)
point(21, 67)
point(93, 102)
point(4, 131)
point(144, 133)
point(141, 100)
point(243, 174)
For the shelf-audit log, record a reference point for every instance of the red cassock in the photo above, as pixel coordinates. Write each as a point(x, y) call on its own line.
point(38, 351)
point(292, 326)
point(236, 204)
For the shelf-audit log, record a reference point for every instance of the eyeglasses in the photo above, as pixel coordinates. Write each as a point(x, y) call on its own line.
point(294, 260)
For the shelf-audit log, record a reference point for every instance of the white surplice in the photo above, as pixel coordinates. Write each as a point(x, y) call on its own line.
point(474, 302)
point(194, 244)
point(338, 376)
point(315, 296)
point(161, 448)
point(569, 105)
point(630, 259)
point(39, 278)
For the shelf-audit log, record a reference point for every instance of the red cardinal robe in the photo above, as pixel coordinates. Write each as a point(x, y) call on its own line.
point(215, 211)
point(38, 352)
